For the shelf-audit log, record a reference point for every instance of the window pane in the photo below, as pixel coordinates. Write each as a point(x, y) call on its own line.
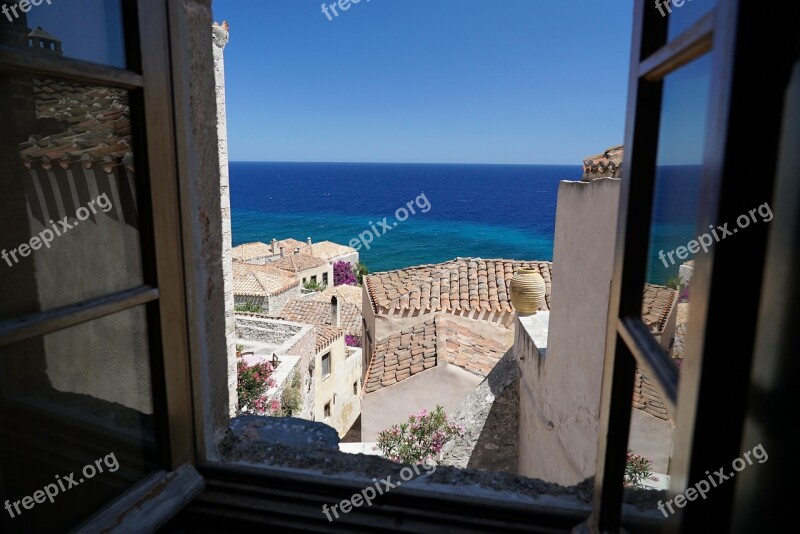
point(665, 306)
point(682, 14)
point(674, 238)
point(89, 30)
point(67, 195)
point(69, 399)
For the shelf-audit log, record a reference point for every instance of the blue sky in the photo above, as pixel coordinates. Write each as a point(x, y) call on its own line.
point(426, 81)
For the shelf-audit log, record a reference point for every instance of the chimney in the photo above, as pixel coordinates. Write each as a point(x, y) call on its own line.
point(336, 310)
point(274, 246)
point(297, 250)
point(282, 252)
point(310, 250)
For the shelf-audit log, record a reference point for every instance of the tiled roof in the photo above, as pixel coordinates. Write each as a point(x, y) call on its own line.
point(607, 164)
point(326, 335)
point(656, 306)
point(96, 126)
point(80, 145)
point(472, 284)
point(253, 280)
point(319, 313)
point(250, 251)
point(349, 294)
point(328, 250)
point(295, 263)
point(415, 349)
point(645, 397)
point(290, 245)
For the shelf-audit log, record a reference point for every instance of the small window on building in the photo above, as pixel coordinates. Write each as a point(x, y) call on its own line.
point(325, 278)
point(314, 279)
point(327, 410)
point(355, 387)
point(326, 365)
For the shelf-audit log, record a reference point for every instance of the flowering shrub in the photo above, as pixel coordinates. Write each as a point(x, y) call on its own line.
point(637, 470)
point(352, 341)
point(419, 439)
point(253, 383)
point(343, 274)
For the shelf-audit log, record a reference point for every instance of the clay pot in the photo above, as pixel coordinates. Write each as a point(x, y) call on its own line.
point(527, 291)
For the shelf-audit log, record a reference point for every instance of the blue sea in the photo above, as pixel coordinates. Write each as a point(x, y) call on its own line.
point(488, 211)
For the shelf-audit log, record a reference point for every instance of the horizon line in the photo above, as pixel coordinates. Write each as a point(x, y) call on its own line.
point(397, 163)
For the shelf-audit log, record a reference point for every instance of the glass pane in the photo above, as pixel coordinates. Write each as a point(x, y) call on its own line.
point(665, 306)
point(67, 194)
point(673, 235)
point(74, 405)
point(89, 30)
point(683, 13)
point(649, 456)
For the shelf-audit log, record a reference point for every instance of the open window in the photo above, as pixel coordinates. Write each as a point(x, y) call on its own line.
point(94, 373)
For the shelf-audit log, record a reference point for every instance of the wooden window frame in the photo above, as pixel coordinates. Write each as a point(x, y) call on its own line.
point(148, 80)
point(709, 401)
point(257, 497)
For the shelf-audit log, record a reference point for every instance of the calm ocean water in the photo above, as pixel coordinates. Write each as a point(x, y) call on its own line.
point(488, 211)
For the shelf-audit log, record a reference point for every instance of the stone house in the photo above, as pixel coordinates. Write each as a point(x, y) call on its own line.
point(307, 269)
point(336, 375)
point(264, 286)
point(258, 252)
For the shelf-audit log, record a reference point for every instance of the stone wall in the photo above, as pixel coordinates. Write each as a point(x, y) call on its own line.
point(275, 303)
point(490, 415)
point(220, 37)
point(303, 344)
point(267, 331)
point(197, 152)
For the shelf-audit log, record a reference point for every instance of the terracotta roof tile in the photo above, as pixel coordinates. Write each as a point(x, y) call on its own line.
point(95, 122)
point(657, 303)
point(462, 284)
point(418, 348)
point(295, 263)
point(252, 280)
point(646, 399)
point(346, 294)
point(251, 251)
point(319, 313)
point(328, 250)
point(326, 335)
